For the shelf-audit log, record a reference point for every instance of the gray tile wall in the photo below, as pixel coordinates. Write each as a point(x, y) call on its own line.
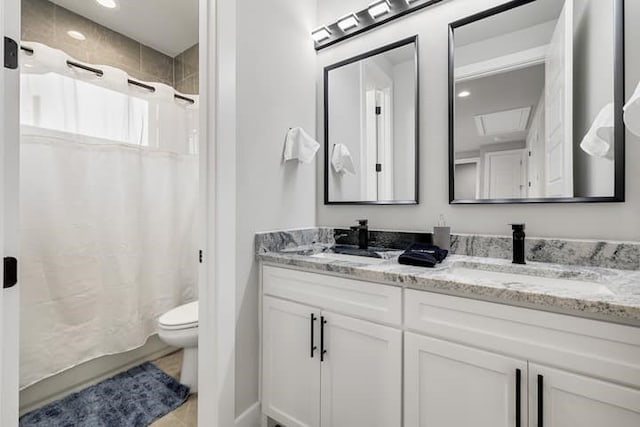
point(47, 23)
point(185, 71)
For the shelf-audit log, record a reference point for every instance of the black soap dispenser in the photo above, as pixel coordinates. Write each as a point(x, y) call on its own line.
point(518, 243)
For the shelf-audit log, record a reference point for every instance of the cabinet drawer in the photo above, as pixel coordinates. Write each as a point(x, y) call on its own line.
point(370, 301)
point(595, 348)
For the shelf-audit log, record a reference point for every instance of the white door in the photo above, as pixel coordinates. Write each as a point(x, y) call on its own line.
point(9, 163)
point(385, 145)
point(505, 175)
point(570, 400)
point(559, 107)
point(536, 164)
point(449, 385)
point(290, 368)
point(370, 152)
point(361, 373)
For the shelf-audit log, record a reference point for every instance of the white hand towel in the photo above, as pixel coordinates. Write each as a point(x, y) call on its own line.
point(341, 160)
point(599, 140)
point(300, 146)
point(632, 112)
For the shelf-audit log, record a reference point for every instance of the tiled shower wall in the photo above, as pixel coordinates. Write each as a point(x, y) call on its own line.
point(47, 23)
point(185, 70)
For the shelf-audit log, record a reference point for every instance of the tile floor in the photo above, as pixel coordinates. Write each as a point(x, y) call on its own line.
point(186, 415)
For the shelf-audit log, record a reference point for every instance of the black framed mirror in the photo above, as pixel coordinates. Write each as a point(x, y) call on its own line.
point(536, 95)
point(371, 116)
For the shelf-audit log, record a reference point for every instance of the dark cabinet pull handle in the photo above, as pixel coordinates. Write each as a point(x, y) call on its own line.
point(518, 397)
point(322, 350)
point(10, 268)
point(313, 340)
point(540, 401)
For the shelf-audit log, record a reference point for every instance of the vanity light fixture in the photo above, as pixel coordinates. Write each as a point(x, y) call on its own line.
point(464, 94)
point(320, 34)
point(377, 13)
point(379, 8)
point(110, 4)
point(76, 35)
point(348, 22)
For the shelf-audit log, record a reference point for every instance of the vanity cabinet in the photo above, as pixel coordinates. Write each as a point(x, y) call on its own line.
point(337, 352)
point(323, 368)
point(470, 362)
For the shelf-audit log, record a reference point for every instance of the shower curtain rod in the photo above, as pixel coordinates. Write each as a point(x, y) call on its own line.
point(100, 73)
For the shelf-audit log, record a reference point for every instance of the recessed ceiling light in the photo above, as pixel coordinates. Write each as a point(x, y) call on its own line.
point(107, 3)
point(320, 34)
point(379, 8)
point(76, 35)
point(464, 94)
point(348, 21)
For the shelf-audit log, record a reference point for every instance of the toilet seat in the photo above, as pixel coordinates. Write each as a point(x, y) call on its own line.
point(182, 317)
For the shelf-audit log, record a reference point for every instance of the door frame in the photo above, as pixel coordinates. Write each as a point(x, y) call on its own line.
point(9, 236)
point(216, 368)
point(217, 275)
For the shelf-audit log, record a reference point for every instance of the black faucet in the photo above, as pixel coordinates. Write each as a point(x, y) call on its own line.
point(363, 233)
point(518, 243)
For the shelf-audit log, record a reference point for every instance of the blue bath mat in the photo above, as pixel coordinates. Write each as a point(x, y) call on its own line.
point(134, 398)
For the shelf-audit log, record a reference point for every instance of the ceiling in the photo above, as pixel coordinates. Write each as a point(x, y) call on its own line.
point(500, 92)
point(401, 54)
point(169, 26)
point(531, 14)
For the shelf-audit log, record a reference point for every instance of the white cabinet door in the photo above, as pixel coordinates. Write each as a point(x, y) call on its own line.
point(290, 375)
point(9, 175)
point(563, 399)
point(449, 385)
point(361, 373)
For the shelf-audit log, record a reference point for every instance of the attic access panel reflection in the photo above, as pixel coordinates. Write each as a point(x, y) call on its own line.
point(371, 127)
point(527, 81)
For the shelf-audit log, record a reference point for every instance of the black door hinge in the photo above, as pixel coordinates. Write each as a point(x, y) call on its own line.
point(378, 167)
point(378, 111)
point(10, 272)
point(200, 255)
point(10, 53)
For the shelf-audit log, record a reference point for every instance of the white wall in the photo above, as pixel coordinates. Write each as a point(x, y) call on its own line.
point(404, 127)
point(593, 89)
point(345, 118)
point(467, 181)
point(605, 221)
point(276, 65)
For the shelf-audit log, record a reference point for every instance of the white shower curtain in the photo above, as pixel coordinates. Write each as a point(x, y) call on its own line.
point(109, 192)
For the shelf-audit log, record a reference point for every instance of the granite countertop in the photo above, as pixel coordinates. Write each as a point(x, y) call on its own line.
point(598, 293)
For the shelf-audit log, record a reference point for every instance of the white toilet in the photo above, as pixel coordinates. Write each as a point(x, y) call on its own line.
point(179, 328)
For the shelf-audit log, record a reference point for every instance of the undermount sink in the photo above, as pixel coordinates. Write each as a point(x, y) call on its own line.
point(532, 279)
point(351, 258)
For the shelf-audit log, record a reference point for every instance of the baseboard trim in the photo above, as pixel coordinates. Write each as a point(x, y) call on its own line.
point(88, 374)
point(250, 417)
